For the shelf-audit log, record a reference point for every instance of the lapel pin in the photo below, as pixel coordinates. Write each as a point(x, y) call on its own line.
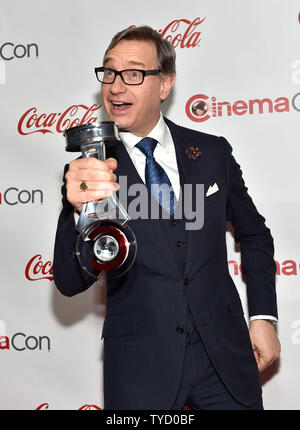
point(193, 152)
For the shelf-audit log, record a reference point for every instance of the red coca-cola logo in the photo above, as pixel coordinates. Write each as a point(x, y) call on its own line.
point(33, 122)
point(37, 269)
point(44, 406)
point(182, 33)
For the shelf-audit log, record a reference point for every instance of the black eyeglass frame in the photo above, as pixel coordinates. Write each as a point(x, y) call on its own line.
point(144, 73)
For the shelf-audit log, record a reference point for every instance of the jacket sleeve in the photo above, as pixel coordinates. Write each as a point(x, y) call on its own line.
point(256, 242)
point(69, 278)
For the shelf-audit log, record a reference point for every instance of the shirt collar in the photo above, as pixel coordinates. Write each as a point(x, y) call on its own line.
point(159, 132)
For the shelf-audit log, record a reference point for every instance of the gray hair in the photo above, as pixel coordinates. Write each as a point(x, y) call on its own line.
point(166, 55)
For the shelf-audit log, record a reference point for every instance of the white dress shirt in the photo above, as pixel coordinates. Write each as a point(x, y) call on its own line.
point(164, 153)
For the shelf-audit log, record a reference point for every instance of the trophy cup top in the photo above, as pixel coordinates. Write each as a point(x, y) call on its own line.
point(89, 133)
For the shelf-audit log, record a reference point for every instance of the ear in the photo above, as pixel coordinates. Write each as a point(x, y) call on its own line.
point(167, 82)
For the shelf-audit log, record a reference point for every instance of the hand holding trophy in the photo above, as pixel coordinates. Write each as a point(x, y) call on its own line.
point(106, 245)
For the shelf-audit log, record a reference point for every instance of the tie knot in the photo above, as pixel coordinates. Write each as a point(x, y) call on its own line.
point(147, 146)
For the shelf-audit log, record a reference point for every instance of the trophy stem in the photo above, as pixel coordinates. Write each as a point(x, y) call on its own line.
point(106, 209)
point(94, 149)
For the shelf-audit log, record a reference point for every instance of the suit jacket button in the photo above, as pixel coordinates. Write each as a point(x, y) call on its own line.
point(179, 243)
point(186, 282)
point(180, 330)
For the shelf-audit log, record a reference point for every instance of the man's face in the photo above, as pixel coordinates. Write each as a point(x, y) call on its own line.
point(141, 109)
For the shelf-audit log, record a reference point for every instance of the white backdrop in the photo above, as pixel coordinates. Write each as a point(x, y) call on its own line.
point(245, 53)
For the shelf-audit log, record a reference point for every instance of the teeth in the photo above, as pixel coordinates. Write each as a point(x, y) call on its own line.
point(119, 104)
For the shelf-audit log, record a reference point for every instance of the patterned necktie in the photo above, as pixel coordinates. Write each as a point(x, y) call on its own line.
point(156, 176)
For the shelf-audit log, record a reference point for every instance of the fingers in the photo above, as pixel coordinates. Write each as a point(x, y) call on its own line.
point(263, 362)
point(98, 176)
point(112, 163)
point(91, 167)
point(90, 175)
point(268, 356)
point(265, 344)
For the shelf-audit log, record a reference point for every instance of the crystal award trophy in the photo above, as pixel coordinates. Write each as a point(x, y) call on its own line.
point(106, 244)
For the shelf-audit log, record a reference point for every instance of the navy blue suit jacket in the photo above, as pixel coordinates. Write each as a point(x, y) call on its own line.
point(143, 352)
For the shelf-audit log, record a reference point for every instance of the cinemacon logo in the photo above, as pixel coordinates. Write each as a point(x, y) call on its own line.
point(10, 50)
point(22, 342)
point(13, 196)
point(286, 267)
point(201, 107)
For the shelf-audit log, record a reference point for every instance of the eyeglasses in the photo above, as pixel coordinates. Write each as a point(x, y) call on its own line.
point(128, 76)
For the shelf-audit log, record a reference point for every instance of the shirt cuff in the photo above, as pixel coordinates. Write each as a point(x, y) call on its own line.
point(263, 317)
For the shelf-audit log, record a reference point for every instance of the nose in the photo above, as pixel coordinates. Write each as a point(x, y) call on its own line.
point(117, 86)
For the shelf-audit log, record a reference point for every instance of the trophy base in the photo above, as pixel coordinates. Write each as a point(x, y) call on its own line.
point(107, 248)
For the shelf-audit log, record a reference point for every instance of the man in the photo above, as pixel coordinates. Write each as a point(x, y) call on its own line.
point(174, 332)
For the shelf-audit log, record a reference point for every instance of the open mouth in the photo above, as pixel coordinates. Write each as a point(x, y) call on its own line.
point(120, 106)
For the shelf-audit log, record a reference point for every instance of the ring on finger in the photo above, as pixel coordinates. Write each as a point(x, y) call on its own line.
point(83, 185)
